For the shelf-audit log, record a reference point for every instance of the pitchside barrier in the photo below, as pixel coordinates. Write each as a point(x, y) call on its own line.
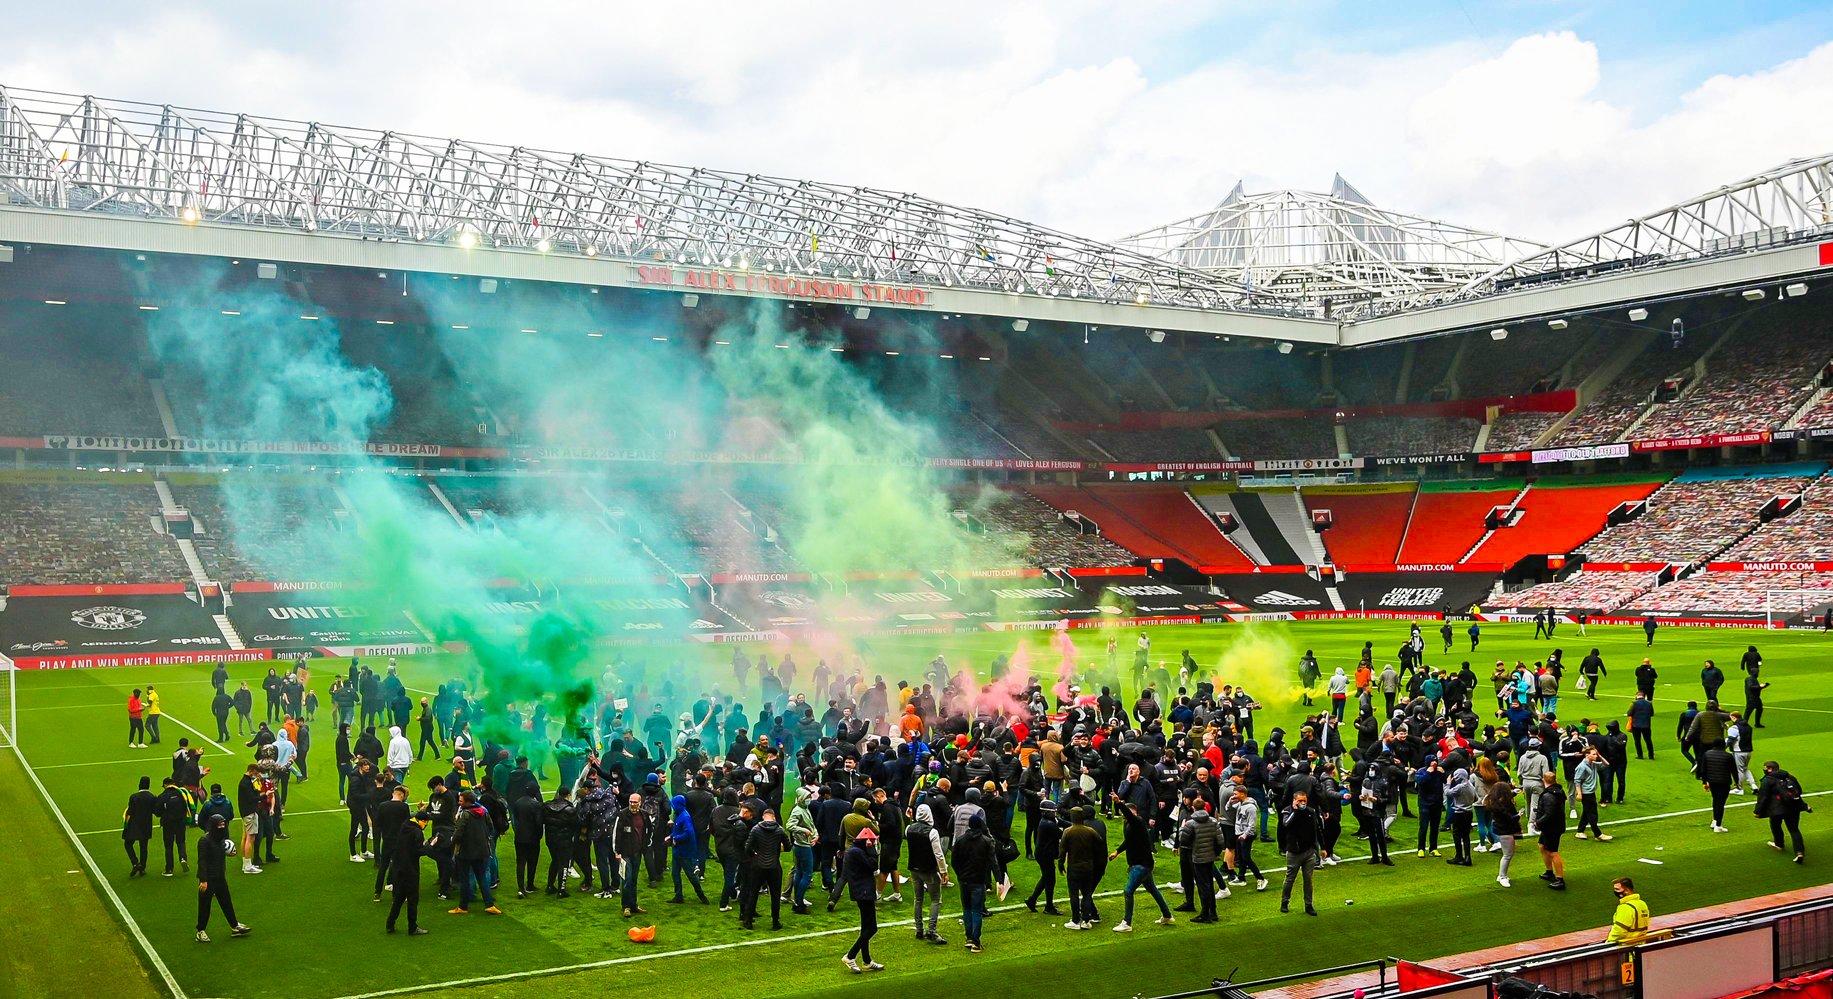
point(9, 705)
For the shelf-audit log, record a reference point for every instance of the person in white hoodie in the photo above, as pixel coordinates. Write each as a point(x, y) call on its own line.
point(400, 753)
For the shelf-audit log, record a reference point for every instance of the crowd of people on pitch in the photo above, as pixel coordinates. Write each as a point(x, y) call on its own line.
point(921, 788)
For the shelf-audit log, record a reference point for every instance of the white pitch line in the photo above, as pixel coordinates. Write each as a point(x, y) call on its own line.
point(161, 760)
point(95, 872)
point(200, 735)
point(284, 815)
point(817, 934)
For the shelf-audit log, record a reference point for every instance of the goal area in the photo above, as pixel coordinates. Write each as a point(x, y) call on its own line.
point(1806, 608)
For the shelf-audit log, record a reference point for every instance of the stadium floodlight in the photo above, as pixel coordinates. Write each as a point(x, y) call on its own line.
point(690, 301)
point(744, 263)
point(544, 246)
point(591, 251)
point(467, 239)
point(1284, 347)
point(189, 214)
point(1753, 294)
point(1498, 334)
point(1638, 314)
point(1795, 290)
point(1020, 325)
point(1557, 324)
point(1156, 336)
point(1140, 299)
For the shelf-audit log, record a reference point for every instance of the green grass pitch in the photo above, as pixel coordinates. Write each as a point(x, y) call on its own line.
point(317, 934)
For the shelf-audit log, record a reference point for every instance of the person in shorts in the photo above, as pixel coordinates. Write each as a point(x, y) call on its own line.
point(1550, 822)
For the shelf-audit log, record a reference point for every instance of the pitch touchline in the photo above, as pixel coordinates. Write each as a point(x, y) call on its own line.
point(812, 935)
point(95, 872)
point(283, 815)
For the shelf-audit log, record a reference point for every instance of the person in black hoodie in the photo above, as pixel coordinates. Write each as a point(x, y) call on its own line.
point(560, 824)
point(174, 809)
point(220, 706)
point(975, 863)
point(406, 845)
point(764, 849)
point(213, 849)
point(1136, 842)
point(389, 815)
point(859, 873)
point(1049, 839)
point(525, 815)
point(137, 826)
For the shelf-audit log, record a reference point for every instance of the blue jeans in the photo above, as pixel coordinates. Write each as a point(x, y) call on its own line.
point(1259, 794)
point(686, 858)
point(474, 879)
point(803, 875)
point(1053, 789)
point(631, 866)
point(973, 910)
point(1140, 876)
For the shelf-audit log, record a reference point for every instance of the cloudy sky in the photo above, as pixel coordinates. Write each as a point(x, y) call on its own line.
point(1541, 118)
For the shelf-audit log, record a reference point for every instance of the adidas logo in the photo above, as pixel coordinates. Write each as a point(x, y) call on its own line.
point(702, 624)
point(1280, 598)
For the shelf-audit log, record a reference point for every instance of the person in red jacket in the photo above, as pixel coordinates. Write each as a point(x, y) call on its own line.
point(136, 721)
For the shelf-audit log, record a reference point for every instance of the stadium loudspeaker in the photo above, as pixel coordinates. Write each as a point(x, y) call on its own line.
point(1284, 347)
point(1636, 315)
point(6, 257)
point(267, 272)
point(1753, 294)
point(1156, 336)
point(487, 285)
point(862, 312)
point(1792, 291)
point(1557, 324)
point(690, 301)
point(1498, 334)
point(1020, 325)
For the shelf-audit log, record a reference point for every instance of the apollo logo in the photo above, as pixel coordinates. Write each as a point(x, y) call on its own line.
point(1280, 598)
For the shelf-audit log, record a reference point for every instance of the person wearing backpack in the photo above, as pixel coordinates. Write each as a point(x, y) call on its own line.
point(1779, 799)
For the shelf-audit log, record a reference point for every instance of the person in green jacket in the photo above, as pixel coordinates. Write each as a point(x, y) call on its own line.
point(802, 836)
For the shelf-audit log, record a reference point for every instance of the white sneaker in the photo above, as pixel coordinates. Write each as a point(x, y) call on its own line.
point(1737, 790)
point(850, 965)
point(874, 966)
point(1073, 925)
point(1177, 889)
point(356, 858)
point(1260, 884)
point(369, 855)
point(1123, 927)
point(1722, 829)
point(251, 870)
point(203, 937)
point(1503, 881)
point(1221, 893)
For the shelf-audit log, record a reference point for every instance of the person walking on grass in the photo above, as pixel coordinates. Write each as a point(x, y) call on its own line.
point(1717, 772)
point(137, 826)
point(406, 845)
point(213, 850)
point(859, 873)
point(174, 810)
point(151, 701)
point(929, 868)
point(1588, 778)
point(1136, 842)
point(244, 700)
point(471, 848)
point(136, 721)
point(1781, 801)
point(975, 863)
point(1505, 820)
point(428, 738)
point(1302, 831)
point(1550, 823)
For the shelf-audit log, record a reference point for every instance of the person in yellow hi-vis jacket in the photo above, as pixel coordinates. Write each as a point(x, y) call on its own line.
point(1630, 923)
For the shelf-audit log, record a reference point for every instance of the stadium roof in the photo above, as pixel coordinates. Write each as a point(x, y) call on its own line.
point(1328, 250)
point(85, 154)
point(1285, 265)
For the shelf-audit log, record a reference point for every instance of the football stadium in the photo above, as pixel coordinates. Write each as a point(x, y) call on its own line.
point(1175, 613)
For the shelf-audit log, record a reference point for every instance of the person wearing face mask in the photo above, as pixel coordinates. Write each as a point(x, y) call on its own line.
point(1630, 922)
point(213, 850)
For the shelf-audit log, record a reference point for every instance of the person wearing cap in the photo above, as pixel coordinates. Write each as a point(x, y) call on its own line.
point(859, 873)
point(976, 858)
point(406, 845)
point(1048, 850)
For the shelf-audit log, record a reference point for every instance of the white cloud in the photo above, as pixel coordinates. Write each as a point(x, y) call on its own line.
point(1051, 112)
